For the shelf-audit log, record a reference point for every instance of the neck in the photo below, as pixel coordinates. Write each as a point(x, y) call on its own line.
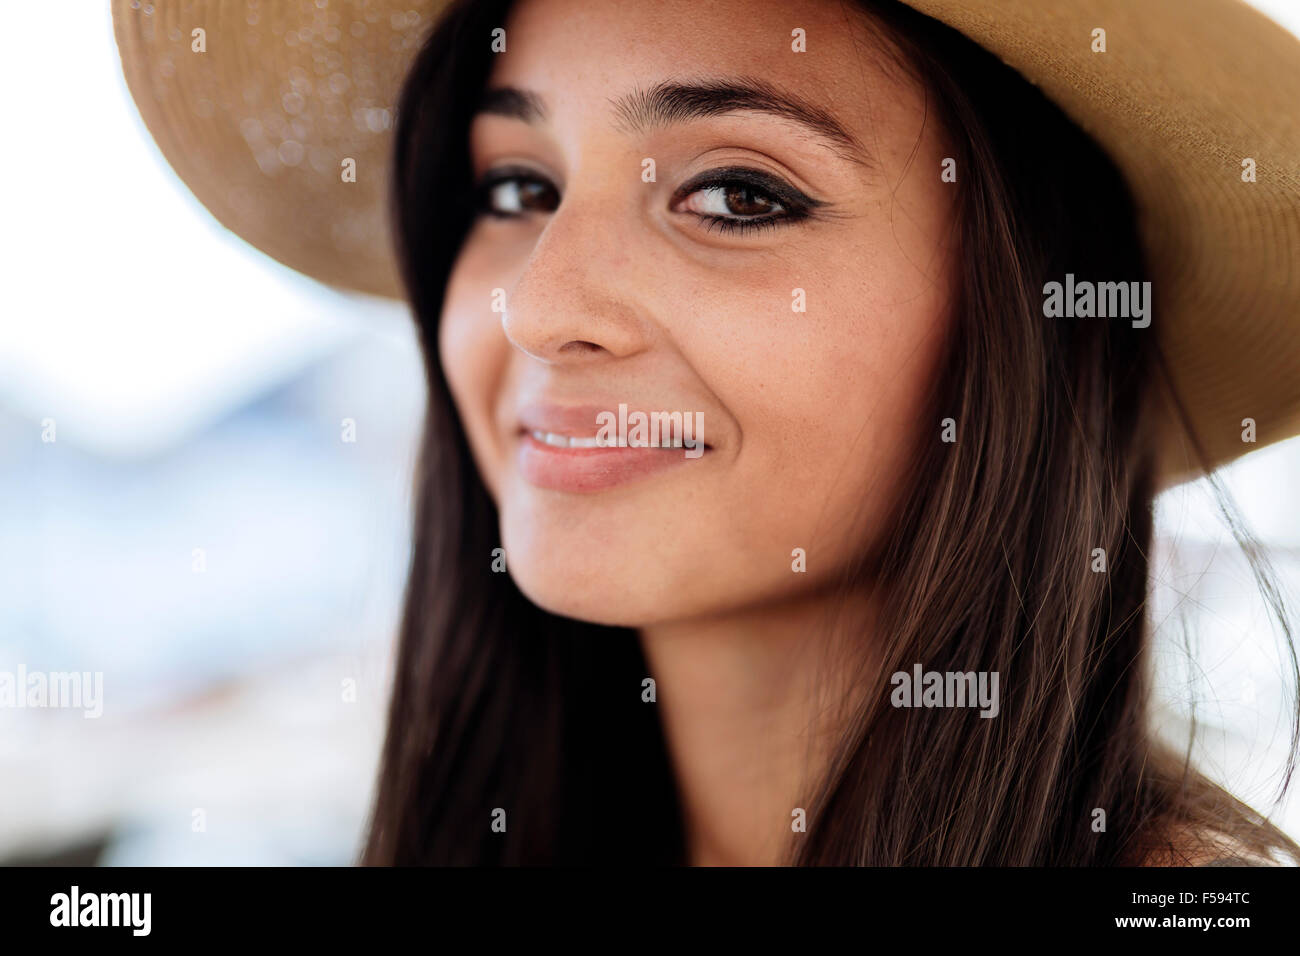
point(752, 705)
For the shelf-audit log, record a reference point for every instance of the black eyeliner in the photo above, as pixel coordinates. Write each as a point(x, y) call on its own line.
point(789, 197)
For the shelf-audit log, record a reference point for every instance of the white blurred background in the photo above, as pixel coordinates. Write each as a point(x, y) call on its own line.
point(197, 412)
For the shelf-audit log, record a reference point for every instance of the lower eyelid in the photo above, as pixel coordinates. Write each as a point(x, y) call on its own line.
point(742, 226)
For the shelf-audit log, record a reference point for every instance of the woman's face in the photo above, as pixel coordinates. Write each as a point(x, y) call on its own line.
point(693, 217)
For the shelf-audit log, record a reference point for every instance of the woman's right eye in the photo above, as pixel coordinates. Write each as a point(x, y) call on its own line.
point(509, 195)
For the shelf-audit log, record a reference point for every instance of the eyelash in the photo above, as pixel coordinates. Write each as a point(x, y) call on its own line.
point(795, 205)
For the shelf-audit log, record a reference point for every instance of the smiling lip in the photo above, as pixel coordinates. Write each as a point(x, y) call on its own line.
point(557, 450)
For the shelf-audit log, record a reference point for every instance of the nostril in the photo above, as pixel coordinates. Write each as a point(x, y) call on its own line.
point(580, 346)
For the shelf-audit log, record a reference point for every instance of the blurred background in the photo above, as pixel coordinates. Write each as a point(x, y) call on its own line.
point(181, 510)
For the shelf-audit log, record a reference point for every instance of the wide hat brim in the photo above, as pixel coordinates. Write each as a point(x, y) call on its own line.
point(260, 126)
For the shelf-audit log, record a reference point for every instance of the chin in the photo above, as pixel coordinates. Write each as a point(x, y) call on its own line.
point(567, 574)
point(598, 578)
point(604, 600)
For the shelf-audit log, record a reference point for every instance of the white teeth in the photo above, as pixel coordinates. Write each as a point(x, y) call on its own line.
point(568, 441)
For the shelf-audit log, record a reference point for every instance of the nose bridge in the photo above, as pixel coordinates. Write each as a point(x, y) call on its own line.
point(578, 287)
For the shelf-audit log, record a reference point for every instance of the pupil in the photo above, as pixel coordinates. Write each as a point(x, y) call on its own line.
point(533, 194)
point(745, 201)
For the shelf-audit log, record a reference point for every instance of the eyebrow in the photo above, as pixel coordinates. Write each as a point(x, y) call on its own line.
point(671, 102)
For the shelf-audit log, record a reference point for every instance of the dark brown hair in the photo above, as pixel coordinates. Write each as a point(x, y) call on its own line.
point(499, 704)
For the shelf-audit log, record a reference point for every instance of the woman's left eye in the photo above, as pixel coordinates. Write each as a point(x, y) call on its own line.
point(736, 200)
point(741, 200)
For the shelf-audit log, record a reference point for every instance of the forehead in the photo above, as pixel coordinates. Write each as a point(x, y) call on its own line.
point(582, 56)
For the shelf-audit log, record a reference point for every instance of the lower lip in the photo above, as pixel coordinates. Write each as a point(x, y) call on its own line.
point(593, 469)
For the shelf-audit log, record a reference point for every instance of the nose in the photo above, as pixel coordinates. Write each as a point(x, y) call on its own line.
point(577, 299)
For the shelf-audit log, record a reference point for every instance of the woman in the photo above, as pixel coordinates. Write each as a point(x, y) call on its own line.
point(884, 603)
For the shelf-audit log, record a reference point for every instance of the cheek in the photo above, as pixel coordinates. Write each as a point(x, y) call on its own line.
point(873, 420)
point(473, 352)
point(831, 399)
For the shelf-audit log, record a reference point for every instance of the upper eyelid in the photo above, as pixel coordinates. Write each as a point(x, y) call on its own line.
point(513, 170)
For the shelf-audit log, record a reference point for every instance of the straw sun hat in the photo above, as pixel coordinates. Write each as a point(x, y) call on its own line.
point(1188, 98)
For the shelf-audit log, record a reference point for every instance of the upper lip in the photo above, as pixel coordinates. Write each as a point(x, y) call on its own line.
point(579, 421)
point(574, 421)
